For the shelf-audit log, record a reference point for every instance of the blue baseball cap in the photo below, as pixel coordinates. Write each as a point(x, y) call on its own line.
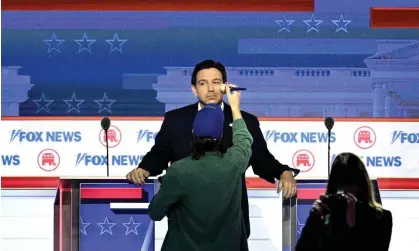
point(209, 122)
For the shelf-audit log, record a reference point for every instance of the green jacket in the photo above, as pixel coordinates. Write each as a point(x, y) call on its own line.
point(202, 198)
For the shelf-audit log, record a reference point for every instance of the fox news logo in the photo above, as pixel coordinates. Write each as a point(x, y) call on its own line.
point(146, 135)
point(114, 160)
point(298, 137)
point(404, 137)
point(48, 136)
point(10, 160)
point(380, 161)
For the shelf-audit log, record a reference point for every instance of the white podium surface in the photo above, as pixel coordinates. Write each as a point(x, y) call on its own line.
point(404, 206)
point(27, 220)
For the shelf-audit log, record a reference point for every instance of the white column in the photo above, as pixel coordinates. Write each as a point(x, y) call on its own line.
point(340, 110)
point(400, 111)
point(330, 111)
point(389, 103)
point(351, 112)
point(294, 111)
point(392, 104)
point(378, 99)
point(279, 111)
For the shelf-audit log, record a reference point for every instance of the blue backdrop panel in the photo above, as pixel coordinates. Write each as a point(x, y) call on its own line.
point(304, 206)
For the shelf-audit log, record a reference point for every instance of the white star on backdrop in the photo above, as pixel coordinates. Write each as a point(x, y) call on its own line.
point(85, 43)
point(131, 227)
point(105, 103)
point(116, 43)
point(300, 226)
point(54, 43)
point(73, 103)
point(284, 24)
point(83, 226)
point(107, 228)
point(43, 104)
point(341, 24)
point(313, 24)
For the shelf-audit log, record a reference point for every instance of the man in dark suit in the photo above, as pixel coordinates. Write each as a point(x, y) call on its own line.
point(173, 141)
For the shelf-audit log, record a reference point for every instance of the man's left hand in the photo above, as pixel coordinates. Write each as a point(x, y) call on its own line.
point(289, 184)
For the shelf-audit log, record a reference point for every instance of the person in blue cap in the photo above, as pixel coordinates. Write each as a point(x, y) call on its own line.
point(201, 194)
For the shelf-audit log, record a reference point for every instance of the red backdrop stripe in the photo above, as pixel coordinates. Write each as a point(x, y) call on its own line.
point(179, 5)
point(394, 18)
point(252, 183)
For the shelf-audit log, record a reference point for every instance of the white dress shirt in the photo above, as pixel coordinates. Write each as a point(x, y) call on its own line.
point(200, 107)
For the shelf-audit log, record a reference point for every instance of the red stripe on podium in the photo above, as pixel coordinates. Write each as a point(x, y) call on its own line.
point(163, 5)
point(310, 193)
point(394, 17)
point(110, 193)
point(258, 183)
point(251, 182)
point(398, 183)
point(30, 182)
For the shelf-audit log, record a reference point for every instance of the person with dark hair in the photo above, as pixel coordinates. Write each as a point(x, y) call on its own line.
point(348, 216)
point(172, 142)
point(201, 194)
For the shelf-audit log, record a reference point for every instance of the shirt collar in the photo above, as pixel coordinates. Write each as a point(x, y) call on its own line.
point(199, 106)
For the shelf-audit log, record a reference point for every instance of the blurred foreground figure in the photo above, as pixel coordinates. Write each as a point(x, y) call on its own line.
point(201, 195)
point(348, 216)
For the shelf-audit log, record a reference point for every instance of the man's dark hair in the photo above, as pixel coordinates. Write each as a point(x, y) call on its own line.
point(208, 64)
point(201, 145)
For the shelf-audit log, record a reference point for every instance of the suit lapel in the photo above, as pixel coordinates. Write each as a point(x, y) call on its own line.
point(188, 123)
point(228, 130)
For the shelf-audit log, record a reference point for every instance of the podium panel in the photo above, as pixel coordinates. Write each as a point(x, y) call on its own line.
point(109, 214)
point(113, 216)
point(103, 214)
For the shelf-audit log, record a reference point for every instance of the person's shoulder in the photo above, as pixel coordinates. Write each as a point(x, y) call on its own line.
point(181, 165)
point(386, 215)
point(181, 111)
point(182, 168)
point(249, 118)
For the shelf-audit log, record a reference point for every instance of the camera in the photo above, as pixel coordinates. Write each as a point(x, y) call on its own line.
point(336, 201)
point(337, 205)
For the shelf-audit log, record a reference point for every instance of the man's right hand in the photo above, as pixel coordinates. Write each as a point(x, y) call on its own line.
point(233, 97)
point(138, 176)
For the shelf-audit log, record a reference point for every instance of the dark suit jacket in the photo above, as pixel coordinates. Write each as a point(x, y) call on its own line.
point(372, 231)
point(173, 141)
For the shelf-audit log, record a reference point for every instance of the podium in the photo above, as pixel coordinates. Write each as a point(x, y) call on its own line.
point(103, 214)
point(76, 214)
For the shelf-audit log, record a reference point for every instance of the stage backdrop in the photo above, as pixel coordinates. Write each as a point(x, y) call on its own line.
point(301, 59)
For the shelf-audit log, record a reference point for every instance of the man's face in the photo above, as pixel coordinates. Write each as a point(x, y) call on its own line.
point(208, 86)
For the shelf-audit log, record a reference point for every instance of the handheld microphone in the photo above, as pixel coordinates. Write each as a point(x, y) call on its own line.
point(105, 123)
point(329, 123)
